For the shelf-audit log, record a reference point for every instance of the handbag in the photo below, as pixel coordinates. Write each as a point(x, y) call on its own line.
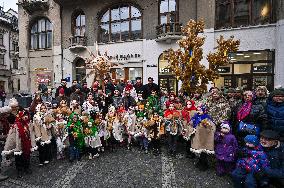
point(248, 128)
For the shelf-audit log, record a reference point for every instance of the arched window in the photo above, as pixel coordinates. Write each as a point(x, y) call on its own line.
point(79, 23)
point(41, 34)
point(121, 23)
point(168, 11)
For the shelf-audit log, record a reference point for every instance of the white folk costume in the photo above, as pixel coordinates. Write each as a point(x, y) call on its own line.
point(20, 142)
point(43, 124)
point(130, 124)
point(60, 135)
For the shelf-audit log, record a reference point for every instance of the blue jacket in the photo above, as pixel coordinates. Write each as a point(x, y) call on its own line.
point(275, 116)
point(276, 160)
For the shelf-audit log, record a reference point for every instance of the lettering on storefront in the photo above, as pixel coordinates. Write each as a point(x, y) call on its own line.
point(224, 69)
point(121, 57)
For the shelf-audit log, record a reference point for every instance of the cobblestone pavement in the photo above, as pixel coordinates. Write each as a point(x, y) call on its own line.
point(121, 168)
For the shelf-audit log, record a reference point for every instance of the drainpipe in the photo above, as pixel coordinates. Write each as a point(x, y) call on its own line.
point(62, 59)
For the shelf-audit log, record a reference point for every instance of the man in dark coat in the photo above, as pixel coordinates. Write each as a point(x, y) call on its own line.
point(128, 100)
point(67, 91)
point(274, 150)
point(139, 87)
point(109, 87)
point(150, 87)
point(275, 111)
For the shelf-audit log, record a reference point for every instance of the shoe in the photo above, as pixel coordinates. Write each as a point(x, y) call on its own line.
point(19, 174)
point(3, 178)
point(103, 149)
point(146, 151)
point(40, 164)
point(90, 156)
point(46, 162)
point(96, 155)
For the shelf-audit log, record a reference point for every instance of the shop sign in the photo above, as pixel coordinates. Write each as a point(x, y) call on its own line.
point(262, 68)
point(121, 57)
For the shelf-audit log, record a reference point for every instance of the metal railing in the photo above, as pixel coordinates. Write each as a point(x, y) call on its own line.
point(78, 40)
point(168, 29)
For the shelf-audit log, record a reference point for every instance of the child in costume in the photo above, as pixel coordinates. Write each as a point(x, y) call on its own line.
point(153, 103)
point(117, 99)
point(91, 135)
point(43, 124)
point(226, 147)
point(76, 137)
point(60, 134)
point(103, 131)
point(173, 127)
point(75, 107)
point(252, 161)
point(130, 119)
point(110, 119)
point(156, 129)
point(20, 141)
point(171, 99)
point(187, 113)
point(202, 141)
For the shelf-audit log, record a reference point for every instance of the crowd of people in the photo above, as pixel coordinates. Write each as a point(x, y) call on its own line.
point(243, 130)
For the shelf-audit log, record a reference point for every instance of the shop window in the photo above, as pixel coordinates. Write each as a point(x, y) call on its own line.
point(41, 34)
point(135, 72)
point(236, 13)
point(2, 61)
point(1, 39)
point(121, 23)
point(248, 70)
point(79, 23)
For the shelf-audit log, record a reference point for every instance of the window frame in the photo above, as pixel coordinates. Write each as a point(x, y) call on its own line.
point(1, 39)
point(110, 22)
point(2, 59)
point(251, 17)
point(74, 26)
point(167, 14)
point(38, 34)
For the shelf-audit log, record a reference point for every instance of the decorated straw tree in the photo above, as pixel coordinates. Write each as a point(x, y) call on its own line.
point(99, 66)
point(185, 62)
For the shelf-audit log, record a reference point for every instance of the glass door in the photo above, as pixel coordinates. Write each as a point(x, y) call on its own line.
point(168, 84)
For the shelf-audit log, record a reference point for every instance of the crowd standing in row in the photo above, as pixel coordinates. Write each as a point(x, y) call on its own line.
point(242, 129)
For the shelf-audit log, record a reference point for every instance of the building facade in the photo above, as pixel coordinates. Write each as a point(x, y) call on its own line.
point(135, 33)
point(9, 37)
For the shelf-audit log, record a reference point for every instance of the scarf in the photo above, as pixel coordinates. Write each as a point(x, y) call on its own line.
point(244, 111)
point(23, 128)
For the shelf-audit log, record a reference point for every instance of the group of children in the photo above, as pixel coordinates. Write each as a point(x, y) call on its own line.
point(133, 120)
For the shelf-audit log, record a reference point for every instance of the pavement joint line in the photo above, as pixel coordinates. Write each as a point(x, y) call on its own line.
point(65, 181)
point(168, 172)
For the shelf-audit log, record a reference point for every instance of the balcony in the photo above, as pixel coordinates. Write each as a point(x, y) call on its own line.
point(168, 32)
point(34, 5)
point(77, 43)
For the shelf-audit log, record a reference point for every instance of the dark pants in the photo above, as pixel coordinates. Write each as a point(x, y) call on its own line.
point(172, 141)
point(92, 151)
point(144, 142)
point(3, 102)
point(74, 153)
point(44, 152)
point(243, 179)
point(22, 163)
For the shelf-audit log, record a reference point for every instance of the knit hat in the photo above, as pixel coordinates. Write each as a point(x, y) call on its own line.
point(270, 134)
point(277, 92)
point(225, 125)
point(252, 139)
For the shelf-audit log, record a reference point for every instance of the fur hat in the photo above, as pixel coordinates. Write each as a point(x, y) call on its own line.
point(252, 139)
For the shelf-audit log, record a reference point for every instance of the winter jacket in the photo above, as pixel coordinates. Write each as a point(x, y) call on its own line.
point(276, 158)
point(226, 147)
point(275, 116)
